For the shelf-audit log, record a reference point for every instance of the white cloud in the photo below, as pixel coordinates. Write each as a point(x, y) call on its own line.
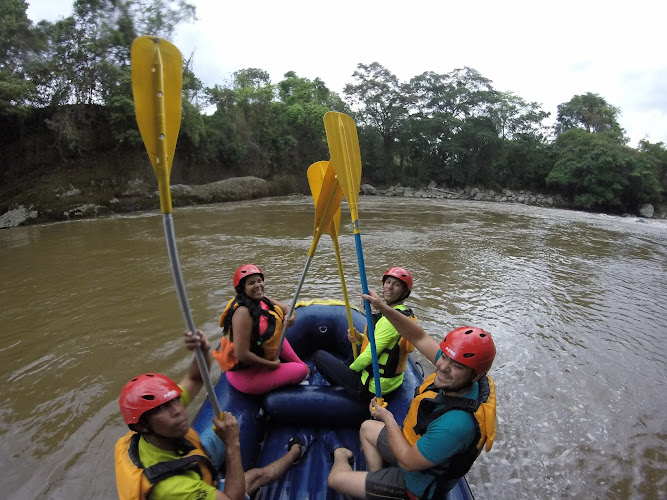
point(542, 52)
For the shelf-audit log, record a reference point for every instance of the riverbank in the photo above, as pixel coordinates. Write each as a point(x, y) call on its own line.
point(70, 203)
point(505, 196)
point(74, 203)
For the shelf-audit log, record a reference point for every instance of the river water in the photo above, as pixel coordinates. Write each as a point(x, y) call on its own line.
point(576, 302)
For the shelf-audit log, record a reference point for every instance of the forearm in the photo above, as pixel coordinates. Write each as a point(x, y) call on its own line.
point(282, 305)
point(398, 444)
point(408, 329)
point(193, 370)
point(192, 380)
point(250, 358)
point(234, 475)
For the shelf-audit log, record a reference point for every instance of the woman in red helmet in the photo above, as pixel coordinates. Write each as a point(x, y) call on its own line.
point(356, 377)
point(252, 326)
point(162, 456)
point(450, 420)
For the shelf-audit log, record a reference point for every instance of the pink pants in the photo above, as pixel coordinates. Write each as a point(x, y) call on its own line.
point(260, 379)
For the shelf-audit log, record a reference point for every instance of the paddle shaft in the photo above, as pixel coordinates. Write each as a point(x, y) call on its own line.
point(323, 220)
point(296, 296)
point(350, 322)
point(168, 222)
point(369, 314)
point(293, 304)
point(344, 148)
point(156, 88)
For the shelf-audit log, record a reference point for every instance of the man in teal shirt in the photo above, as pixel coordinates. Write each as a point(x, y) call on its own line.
point(450, 420)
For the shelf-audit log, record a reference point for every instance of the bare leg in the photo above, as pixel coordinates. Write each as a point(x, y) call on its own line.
point(345, 480)
point(254, 478)
point(369, 432)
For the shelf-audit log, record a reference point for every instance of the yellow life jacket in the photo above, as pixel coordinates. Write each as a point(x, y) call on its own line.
point(134, 481)
point(264, 336)
point(393, 358)
point(430, 404)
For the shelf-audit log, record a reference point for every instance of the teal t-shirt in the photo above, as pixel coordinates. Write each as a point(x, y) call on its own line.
point(447, 435)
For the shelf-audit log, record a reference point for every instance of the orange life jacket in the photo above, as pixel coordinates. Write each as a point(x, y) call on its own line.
point(267, 328)
point(134, 481)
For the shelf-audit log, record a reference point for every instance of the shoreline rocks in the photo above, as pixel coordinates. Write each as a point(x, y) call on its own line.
point(525, 197)
point(139, 195)
point(474, 193)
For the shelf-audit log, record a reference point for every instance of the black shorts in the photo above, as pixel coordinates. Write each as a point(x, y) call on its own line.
point(387, 483)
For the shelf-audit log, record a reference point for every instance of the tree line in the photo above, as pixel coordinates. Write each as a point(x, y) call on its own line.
point(66, 99)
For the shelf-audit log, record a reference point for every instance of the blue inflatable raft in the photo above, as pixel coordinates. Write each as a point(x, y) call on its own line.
point(267, 422)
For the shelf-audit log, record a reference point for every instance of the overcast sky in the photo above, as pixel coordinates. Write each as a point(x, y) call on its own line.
point(543, 53)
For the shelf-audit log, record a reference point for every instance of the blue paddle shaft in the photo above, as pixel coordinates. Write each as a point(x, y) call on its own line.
point(168, 221)
point(369, 315)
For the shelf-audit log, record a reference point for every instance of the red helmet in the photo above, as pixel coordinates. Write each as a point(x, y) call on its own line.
point(246, 270)
point(470, 346)
point(144, 393)
point(401, 274)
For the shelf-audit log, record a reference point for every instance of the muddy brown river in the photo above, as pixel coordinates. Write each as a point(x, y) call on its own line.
point(576, 302)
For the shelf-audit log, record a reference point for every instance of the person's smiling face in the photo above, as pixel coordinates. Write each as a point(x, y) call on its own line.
point(254, 287)
point(393, 289)
point(452, 376)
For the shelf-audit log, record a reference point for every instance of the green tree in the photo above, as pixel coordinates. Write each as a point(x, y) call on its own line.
point(17, 41)
point(248, 106)
point(526, 156)
point(656, 154)
point(86, 63)
point(592, 113)
point(513, 116)
point(526, 162)
point(302, 106)
point(453, 139)
point(381, 103)
point(599, 173)
point(462, 93)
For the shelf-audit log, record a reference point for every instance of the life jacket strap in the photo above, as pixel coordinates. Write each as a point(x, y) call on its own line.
point(164, 470)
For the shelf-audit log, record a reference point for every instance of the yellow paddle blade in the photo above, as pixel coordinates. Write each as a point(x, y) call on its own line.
point(157, 72)
point(344, 150)
point(315, 175)
point(321, 176)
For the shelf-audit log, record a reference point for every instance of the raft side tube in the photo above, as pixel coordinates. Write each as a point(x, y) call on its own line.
point(319, 405)
point(323, 325)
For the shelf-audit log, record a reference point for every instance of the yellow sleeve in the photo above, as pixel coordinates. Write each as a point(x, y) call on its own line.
point(185, 396)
